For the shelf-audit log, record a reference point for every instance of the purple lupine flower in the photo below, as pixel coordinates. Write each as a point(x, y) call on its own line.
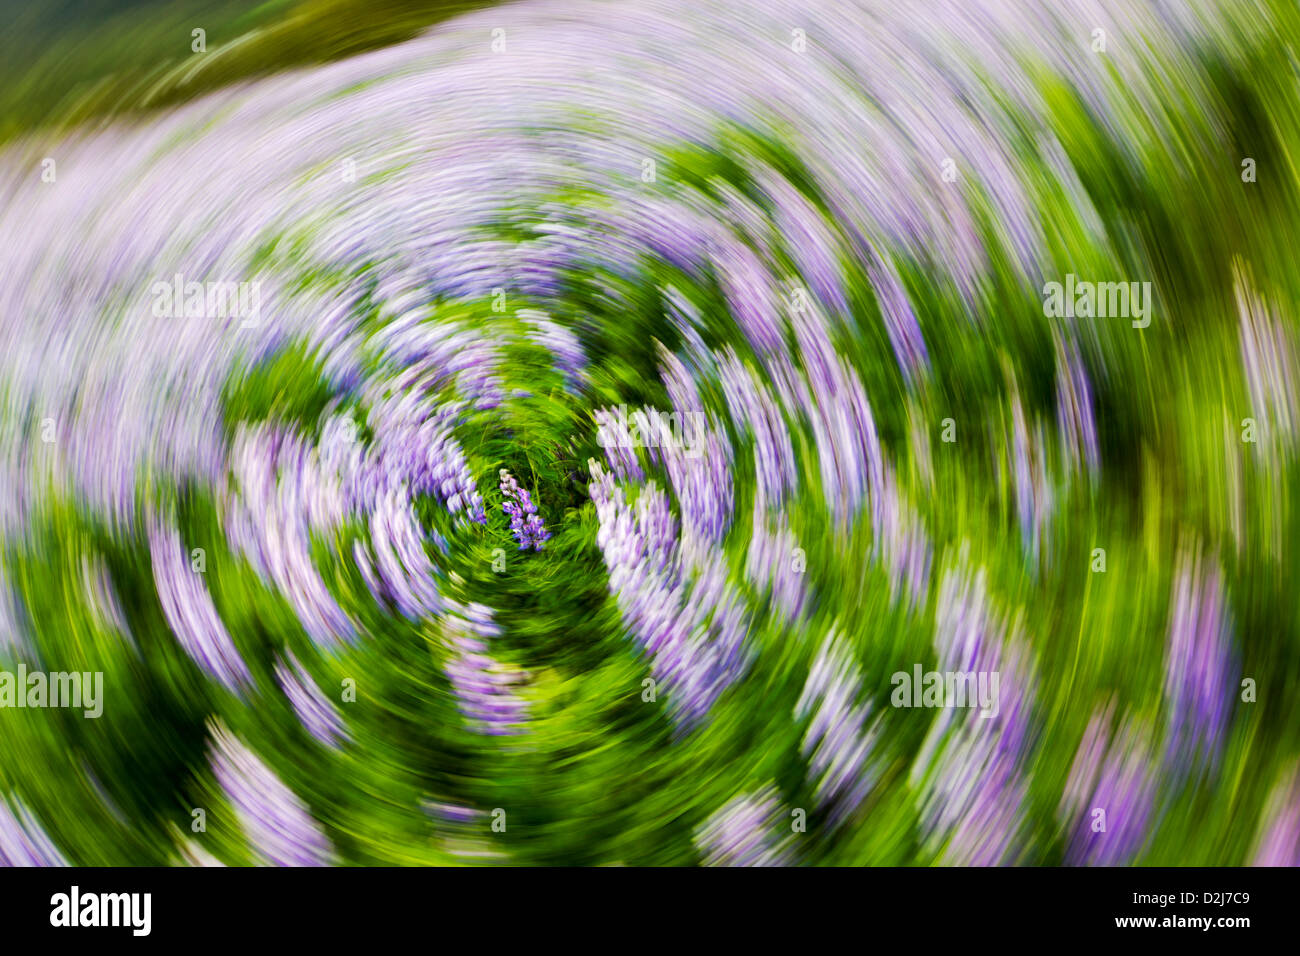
point(279, 826)
point(460, 832)
point(1278, 842)
point(1200, 665)
point(403, 565)
point(901, 544)
point(684, 612)
point(568, 355)
point(755, 408)
point(770, 565)
point(485, 687)
point(1269, 357)
point(699, 468)
point(1108, 802)
point(704, 486)
point(415, 445)
point(973, 810)
point(13, 633)
point(900, 321)
point(451, 812)
point(620, 452)
point(101, 596)
point(525, 523)
point(829, 393)
point(840, 738)
point(22, 840)
point(435, 354)
point(1075, 417)
point(283, 493)
point(315, 711)
point(810, 238)
point(712, 656)
point(361, 557)
point(1034, 494)
point(190, 613)
point(746, 831)
point(971, 767)
point(750, 295)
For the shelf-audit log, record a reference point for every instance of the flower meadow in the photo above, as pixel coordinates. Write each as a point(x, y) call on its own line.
point(980, 318)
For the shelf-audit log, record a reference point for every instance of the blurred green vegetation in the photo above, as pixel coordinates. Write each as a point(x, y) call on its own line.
point(67, 63)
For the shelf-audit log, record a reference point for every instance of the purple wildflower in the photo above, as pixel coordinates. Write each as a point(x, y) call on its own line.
point(971, 768)
point(22, 841)
point(841, 737)
point(1268, 355)
point(1075, 417)
point(451, 812)
point(770, 566)
point(1109, 796)
point(316, 711)
point(279, 826)
point(758, 412)
point(284, 493)
point(403, 565)
point(568, 355)
point(1278, 843)
point(484, 686)
point(680, 608)
point(901, 544)
point(1199, 664)
point(900, 321)
point(525, 523)
point(13, 632)
point(743, 832)
point(1028, 463)
point(461, 831)
point(190, 613)
point(620, 451)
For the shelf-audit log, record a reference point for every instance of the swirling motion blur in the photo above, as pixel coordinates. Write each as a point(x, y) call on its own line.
point(376, 573)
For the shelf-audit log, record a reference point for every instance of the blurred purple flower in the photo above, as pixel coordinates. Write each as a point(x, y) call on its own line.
point(971, 769)
point(680, 608)
point(1200, 667)
point(770, 567)
point(1075, 417)
point(22, 841)
point(316, 711)
point(1278, 843)
point(279, 826)
point(746, 832)
point(485, 688)
point(1108, 803)
point(841, 737)
point(190, 613)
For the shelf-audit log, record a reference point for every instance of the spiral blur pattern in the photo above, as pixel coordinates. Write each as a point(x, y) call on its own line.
point(369, 583)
